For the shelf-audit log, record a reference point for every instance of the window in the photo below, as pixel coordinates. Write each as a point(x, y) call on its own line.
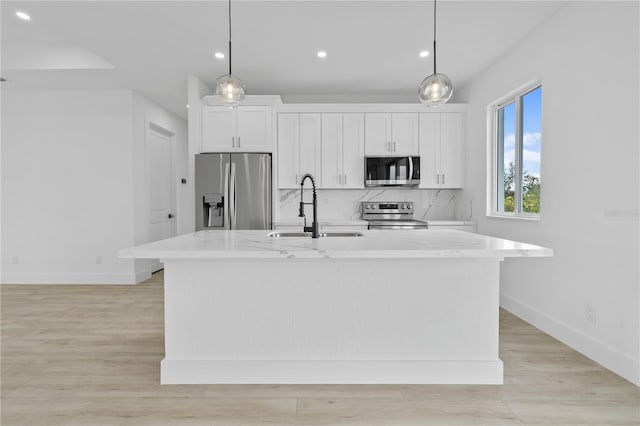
point(516, 141)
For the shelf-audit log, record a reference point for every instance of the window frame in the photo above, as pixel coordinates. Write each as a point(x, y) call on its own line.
point(494, 148)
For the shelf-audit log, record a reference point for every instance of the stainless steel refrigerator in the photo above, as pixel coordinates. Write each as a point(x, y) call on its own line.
point(233, 191)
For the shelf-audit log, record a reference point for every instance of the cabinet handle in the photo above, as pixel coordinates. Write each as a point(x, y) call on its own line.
point(339, 177)
point(438, 178)
point(238, 141)
point(394, 146)
point(389, 146)
point(233, 142)
point(344, 181)
point(443, 178)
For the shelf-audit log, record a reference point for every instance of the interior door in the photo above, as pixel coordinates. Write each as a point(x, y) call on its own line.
point(160, 186)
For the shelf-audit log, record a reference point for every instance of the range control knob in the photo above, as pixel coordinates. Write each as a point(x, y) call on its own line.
point(402, 206)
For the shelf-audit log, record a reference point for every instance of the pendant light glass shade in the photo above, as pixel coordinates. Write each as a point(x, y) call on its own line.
point(230, 89)
point(435, 90)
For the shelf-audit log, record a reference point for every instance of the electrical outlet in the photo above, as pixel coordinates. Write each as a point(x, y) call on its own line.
point(98, 260)
point(15, 260)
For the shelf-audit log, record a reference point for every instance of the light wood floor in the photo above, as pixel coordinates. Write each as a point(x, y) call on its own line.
point(90, 355)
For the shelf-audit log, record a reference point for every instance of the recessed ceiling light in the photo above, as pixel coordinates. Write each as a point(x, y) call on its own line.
point(219, 55)
point(187, 106)
point(424, 53)
point(322, 54)
point(23, 15)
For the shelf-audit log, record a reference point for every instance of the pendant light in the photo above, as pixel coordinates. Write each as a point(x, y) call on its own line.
point(436, 89)
point(229, 88)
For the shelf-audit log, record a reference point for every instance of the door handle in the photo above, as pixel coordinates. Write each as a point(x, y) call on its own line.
point(170, 216)
point(232, 193)
point(226, 200)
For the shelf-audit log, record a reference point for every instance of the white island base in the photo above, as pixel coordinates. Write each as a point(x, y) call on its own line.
point(386, 307)
point(332, 321)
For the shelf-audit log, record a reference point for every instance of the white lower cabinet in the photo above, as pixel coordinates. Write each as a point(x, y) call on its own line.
point(299, 149)
point(342, 150)
point(441, 150)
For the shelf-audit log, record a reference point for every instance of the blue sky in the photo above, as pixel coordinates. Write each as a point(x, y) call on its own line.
point(531, 132)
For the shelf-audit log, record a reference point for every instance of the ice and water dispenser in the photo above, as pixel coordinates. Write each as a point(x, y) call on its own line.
point(213, 210)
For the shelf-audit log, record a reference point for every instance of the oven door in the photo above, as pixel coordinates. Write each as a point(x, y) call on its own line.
point(392, 171)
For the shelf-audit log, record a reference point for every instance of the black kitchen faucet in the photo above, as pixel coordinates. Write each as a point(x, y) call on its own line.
point(314, 225)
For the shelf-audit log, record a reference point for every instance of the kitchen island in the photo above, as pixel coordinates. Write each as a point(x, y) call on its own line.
point(384, 307)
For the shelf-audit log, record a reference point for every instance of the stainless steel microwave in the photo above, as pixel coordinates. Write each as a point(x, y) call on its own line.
point(391, 171)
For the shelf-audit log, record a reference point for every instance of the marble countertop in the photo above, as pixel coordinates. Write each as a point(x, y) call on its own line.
point(374, 244)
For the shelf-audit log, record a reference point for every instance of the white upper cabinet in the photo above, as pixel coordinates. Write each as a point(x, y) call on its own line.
point(391, 134)
point(342, 150)
point(241, 129)
point(441, 150)
point(299, 148)
point(217, 129)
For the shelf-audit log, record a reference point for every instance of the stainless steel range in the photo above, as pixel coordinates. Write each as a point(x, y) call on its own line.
point(391, 215)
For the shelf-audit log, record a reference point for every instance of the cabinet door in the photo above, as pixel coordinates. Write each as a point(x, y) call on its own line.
point(253, 129)
point(331, 146)
point(310, 146)
point(404, 131)
point(217, 129)
point(429, 150)
point(353, 150)
point(288, 150)
point(452, 131)
point(377, 134)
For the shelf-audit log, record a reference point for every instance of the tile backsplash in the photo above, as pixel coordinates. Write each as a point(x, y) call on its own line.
point(344, 204)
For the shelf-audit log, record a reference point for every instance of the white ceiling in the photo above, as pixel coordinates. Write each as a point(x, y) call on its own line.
point(152, 46)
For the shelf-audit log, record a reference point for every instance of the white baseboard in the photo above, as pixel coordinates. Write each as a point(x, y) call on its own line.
point(609, 357)
point(142, 276)
point(330, 372)
point(67, 278)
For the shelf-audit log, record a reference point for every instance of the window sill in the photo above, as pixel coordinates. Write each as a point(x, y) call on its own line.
point(525, 218)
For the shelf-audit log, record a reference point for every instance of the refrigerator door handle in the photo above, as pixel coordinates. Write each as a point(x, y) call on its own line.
point(232, 195)
point(225, 207)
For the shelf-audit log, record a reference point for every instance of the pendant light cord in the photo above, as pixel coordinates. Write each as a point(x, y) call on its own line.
point(434, 36)
point(229, 37)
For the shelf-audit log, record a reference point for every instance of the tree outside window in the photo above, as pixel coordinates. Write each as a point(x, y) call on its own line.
point(517, 143)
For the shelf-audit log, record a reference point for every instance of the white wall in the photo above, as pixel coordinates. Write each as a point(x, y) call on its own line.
point(144, 113)
point(587, 59)
point(74, 184)
point(66, 186)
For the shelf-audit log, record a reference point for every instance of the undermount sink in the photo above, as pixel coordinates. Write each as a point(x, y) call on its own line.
point(308, 234)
